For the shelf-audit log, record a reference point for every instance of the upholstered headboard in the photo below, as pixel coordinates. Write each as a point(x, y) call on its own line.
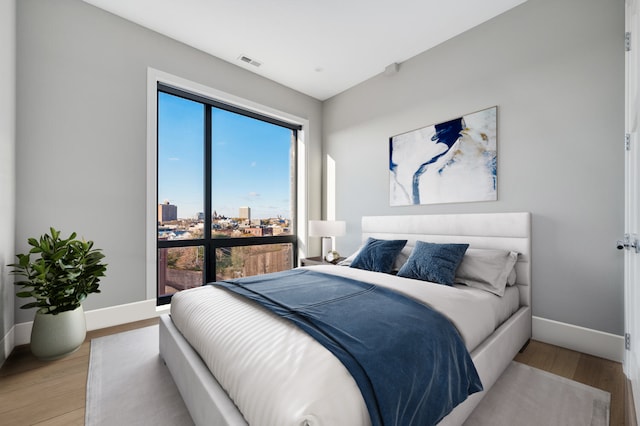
point(505, 231)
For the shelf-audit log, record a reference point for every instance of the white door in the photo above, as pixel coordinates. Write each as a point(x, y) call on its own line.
point(632, 200)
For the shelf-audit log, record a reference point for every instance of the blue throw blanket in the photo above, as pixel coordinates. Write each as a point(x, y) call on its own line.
point(408, 360)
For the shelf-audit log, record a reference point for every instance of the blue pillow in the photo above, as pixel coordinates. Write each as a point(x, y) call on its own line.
point(378, 255)
point(434, 262)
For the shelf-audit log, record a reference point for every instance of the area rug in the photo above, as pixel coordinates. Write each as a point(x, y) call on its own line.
point(128, 384)
point(525, 396)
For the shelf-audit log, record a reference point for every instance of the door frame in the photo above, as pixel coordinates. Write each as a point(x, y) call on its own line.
point(631, 363)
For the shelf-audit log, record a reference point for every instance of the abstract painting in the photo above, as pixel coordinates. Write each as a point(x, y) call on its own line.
point(449, 162)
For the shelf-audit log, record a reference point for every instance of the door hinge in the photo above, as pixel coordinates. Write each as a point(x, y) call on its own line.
point(627, 142)
point(627, 341)
point(629, 242)
point(627, 41)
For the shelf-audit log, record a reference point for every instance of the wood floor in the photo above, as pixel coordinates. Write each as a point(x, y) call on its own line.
point(51, 393)
point(40, 393)
point(590, 370)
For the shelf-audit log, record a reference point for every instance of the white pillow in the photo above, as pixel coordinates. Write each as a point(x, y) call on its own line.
point(486, 269)
point(402, 258)
point(511, 279)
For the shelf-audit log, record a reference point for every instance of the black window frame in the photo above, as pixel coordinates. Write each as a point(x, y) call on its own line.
point(211, 244)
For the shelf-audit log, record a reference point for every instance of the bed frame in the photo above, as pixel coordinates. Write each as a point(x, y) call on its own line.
point(208, 403)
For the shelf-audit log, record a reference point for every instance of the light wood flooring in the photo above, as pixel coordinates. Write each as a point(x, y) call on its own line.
point(34, 392)
point(41, 393)
point(590, 370)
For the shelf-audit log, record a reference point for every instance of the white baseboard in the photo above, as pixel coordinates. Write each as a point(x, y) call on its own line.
point(102, 318)
point(585, 340)
point(592, 342)
point(7, 344)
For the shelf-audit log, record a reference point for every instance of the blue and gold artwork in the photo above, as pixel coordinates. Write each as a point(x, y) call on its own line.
point(449, 162)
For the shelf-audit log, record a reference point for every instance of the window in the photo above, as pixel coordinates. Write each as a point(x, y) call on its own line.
point(226, 192)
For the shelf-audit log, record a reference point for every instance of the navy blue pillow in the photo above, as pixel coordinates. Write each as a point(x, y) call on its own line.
point(378, 255)
point(434, 262)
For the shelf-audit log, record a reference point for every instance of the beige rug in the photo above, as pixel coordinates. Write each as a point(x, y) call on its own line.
point(128, 384)
point(524, 395)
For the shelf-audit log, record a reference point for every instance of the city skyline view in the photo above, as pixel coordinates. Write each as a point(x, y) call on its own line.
point(250, 161)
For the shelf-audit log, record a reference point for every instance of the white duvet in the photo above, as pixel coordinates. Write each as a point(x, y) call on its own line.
point(278, 375)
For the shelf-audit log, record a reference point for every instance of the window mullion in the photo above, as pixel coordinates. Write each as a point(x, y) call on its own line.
point(210, 257)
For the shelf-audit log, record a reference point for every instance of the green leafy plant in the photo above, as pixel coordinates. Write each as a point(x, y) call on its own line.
point(61, 277)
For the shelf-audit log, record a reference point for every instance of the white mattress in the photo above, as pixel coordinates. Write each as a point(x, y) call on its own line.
point(278, 375)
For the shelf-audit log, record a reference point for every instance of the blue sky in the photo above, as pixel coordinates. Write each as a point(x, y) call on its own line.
point(250, 159)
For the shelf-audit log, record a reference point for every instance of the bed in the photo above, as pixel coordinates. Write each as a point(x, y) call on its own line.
point(491, 351)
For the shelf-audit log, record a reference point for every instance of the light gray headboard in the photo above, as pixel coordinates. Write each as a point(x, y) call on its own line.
point(505, 231)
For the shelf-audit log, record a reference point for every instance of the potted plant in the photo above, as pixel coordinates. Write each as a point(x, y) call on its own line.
point(59, 278)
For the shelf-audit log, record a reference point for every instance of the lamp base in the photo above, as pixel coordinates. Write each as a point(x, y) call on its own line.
point(327, 245)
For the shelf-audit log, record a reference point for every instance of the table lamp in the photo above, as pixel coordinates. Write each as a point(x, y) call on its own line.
point(327, 229)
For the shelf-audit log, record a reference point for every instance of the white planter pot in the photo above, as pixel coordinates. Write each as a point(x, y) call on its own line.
point(55, 336)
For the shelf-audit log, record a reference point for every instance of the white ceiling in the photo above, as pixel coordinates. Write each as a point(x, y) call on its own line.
point(318, 47)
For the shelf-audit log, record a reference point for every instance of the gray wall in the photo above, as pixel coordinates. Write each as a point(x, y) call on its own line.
point(7, 169)
point(555, 69)
point(81, 126)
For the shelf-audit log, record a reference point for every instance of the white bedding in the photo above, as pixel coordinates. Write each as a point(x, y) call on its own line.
point(278, 375)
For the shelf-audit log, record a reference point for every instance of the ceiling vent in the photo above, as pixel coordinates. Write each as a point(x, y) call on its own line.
point(249, 61)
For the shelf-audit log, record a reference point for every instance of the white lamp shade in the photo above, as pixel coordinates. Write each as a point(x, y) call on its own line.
point(327, 228)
